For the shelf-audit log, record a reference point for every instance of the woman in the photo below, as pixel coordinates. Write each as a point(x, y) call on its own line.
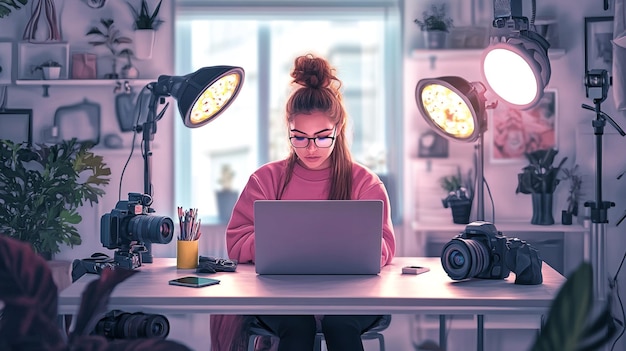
point(318, 167)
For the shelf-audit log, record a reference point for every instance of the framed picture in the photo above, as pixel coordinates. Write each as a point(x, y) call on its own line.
point(16, 125)
point(516, 132)
point(598, 45)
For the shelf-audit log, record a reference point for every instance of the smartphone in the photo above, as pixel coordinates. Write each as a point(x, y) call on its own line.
point(414, 269)
point(194, 282)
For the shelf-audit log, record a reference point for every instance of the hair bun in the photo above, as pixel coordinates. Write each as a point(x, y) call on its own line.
point(312, 72)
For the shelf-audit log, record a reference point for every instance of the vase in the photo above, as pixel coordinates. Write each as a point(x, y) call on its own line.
point(143, 41)
point(461, 210)
point(435, 39)
point(542, 209)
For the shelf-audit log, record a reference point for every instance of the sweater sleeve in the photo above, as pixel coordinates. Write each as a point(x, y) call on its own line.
point(240, 229)
point(374, 189)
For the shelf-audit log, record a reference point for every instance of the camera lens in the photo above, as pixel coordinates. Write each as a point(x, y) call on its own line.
point(124, 325)
point(464, 258)
point(155, 229)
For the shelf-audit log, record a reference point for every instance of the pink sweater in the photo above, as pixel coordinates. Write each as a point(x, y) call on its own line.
point(305, 184)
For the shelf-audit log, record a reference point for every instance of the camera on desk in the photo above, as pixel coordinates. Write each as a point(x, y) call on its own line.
point(129, 226)
point(481, 251)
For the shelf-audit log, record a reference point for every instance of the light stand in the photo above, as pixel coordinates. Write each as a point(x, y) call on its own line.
point(597, 83)
point(202, 96)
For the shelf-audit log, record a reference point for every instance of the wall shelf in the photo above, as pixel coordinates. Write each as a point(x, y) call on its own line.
point(83, 82)
point(433, 55)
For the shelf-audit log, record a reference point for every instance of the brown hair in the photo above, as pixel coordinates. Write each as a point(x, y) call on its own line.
point(317, 89)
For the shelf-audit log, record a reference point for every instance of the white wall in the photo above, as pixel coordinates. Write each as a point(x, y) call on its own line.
point(75, 19)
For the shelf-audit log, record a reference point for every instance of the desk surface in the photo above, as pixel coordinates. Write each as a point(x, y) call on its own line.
point(245, 292)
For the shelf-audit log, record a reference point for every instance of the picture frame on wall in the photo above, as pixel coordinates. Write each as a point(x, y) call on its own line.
point(516, 132)
point(598, 43)
point(16, 125)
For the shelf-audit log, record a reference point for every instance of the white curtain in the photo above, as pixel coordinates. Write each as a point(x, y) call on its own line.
point(619, 55)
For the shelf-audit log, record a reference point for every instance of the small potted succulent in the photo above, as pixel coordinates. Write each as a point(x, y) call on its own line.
point(460, 192)
point(50, 69)
point(435, 24)
point(146, 23)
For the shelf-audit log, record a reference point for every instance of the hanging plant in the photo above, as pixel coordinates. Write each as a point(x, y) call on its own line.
point(6, 6)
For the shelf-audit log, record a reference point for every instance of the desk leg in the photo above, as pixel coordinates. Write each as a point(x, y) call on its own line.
point(480, 332)
point(442, 332)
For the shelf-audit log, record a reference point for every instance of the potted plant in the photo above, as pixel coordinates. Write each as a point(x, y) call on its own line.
point(42, 188)
point(145, 24)
point(460, 195)
point(110, 37)
point(540, 179)
point(435, 24)
point(50, 69)
point(226, 197)
point(574, 193)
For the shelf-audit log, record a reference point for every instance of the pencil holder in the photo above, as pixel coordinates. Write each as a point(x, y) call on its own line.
point(186, 254)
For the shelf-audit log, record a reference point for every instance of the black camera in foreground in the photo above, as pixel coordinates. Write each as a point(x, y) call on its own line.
point(481, 251)
point(129, 226)
point(117, 324)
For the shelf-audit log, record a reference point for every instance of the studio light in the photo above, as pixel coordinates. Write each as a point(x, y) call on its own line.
point(455, 108)
point(515, 66)
point(202, 96)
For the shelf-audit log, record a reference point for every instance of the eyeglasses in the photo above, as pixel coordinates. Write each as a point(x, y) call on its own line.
point(303, 142)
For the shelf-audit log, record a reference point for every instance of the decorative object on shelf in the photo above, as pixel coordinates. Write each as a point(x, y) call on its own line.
point(435, 25)
point(50, 69)
point(84, 66)
point(16, 125)
point(43, 188)
point(226, 197)
point(432, 144)
point(574, 193)
point(40, 27)
point(460, 195)
point(31, 55)
point(111, 37)
point(539, 179)
point(80, 121)
point(145, 25)
point(128, 70)
point(125, 103)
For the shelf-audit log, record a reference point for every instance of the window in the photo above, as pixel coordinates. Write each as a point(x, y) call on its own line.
point(252, 131)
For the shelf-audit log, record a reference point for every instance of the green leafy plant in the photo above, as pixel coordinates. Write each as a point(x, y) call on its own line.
point(574, 190)
point(570, 326)
point(540, 176)
point(42, 188)
point(7, 5)
point(110, 37)
point(49, 63)
point(435, 19)
point(457, 187)
point(143, 18)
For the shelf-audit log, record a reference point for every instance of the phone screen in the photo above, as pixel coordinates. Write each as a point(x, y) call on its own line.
point(194, 282)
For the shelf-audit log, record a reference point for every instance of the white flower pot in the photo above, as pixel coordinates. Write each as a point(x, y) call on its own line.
point(143, 41)
point(50, 73)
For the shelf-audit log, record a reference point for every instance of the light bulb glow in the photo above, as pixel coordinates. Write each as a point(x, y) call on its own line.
point(448, 111)
point(511, 76)
point(214, 98)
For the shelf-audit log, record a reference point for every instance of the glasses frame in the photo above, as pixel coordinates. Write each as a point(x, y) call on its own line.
point(308, 142)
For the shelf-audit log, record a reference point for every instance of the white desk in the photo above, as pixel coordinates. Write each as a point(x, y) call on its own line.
point(245, 292)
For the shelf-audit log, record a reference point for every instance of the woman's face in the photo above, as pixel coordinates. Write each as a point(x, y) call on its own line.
point(314, 125)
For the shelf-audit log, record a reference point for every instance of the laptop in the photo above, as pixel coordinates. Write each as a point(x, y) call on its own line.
point(318, 236)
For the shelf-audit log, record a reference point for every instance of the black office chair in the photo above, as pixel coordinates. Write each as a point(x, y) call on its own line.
point(374, 333)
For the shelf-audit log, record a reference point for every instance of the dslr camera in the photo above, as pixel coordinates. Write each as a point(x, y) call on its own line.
point(117, 324)
point(129, 226)
point(481, 251)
